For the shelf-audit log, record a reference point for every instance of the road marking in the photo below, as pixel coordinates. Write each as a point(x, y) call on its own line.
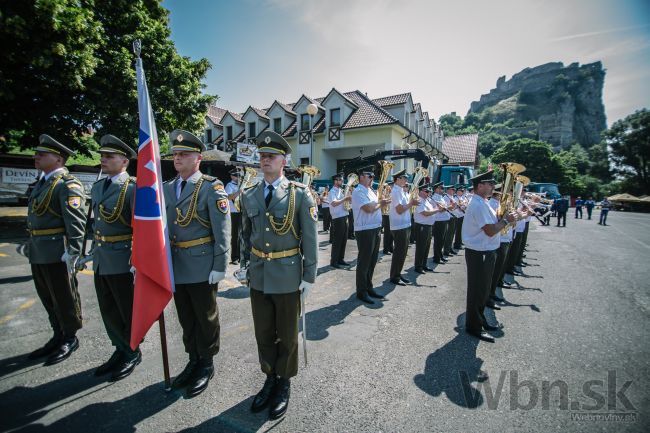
point(25, 305)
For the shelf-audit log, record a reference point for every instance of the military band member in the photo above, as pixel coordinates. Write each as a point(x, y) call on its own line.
point(502, 254)
point(233, 191)
point(400, 227)
point(481, 236)
point(424, 217)
point(112, 203)
point(440, 226)
point(280, 251)
point(451, 224)
point(339, 223)
point(385, 224)
point(459, 198)
point(367, 225)
point(199, 228)
point(325, 209)
point(56, 224)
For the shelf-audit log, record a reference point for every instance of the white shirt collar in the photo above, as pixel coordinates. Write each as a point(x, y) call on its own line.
point(53, 172)
point(275, 183)
point(117, 177)
point(193, 179)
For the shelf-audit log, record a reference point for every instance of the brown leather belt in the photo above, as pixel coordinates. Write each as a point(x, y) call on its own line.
point(275, 254)
point(193, 242)
point(45, 232)
point(116, 238)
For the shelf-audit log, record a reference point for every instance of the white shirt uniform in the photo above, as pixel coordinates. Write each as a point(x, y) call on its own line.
point(478, 214)
point(399, 221)
point(323, 204)
point(424, 206)
point(494, 204)
point(444, 215)
point(336, 211)
point(231, 188)
point(365, 220)
point(521, 226)
point(457, 212)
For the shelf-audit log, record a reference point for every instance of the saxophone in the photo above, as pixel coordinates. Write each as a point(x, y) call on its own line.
point(352, 180)
point(386, 168)
point(420, 173)
point(249, 174)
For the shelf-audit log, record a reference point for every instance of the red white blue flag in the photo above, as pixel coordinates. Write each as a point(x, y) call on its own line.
point(154, 281)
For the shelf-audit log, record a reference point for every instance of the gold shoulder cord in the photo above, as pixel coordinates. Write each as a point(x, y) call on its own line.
point(40, 208)
point(282, 227)
point(110, 218)
point(185, 220)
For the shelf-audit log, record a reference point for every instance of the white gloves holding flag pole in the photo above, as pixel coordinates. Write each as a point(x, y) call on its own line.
point(70, 261)
point(305, 287)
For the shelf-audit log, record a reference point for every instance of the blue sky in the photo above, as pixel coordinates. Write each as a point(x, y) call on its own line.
point(447, 53)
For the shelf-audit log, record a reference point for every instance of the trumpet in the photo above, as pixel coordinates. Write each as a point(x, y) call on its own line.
point(386, 167)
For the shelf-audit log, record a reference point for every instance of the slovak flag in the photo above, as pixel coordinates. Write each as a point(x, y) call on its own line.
point(151, 255)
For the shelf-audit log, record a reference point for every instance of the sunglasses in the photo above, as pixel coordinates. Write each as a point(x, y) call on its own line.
point(369, 175)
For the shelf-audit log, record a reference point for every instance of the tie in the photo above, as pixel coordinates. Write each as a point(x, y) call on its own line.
point(269, 196)
point(107, 183)
point(183, 183)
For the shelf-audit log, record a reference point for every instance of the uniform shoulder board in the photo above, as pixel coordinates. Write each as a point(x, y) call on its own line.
point(298, 184)
point(171, 180)
point(247, 187)
point(209, 178)
point(71, 182)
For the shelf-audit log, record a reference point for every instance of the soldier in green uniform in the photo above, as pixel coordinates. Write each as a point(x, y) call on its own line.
point(279, 249)
point(112, 203)
point(198, 219)
point(56, 223)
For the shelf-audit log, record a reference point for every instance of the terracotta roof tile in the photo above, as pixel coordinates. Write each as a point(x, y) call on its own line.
point(368, 113)
point(461, 148)
point(392, 100)
point(215, 113)
point(291, 129)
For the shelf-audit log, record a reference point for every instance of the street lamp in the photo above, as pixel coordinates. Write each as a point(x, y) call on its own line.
point(312, 109)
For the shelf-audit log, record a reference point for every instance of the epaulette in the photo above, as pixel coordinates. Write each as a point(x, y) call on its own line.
point(173, 179)
point(209, 178)
point(71, 182)
point(298, 184)
point(247, 187)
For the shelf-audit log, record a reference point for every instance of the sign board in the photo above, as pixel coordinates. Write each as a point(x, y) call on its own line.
point(247, 153)
point(20, 178)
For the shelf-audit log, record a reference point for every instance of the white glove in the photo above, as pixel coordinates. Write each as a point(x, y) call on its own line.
point(305, 287)
point(70, 260)
point(132, 270)
point(215, 277)
point(242, 276)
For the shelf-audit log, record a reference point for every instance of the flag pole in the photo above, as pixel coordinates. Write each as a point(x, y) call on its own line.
point(137, 47)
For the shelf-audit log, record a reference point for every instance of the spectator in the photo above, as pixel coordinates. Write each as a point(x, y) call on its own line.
point(579, 204)
point(604, 210)
point(561, 208)
point(589, 204)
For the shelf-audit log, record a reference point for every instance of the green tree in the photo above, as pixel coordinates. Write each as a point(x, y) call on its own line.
point(450, 123)
point(71, 70)
point(629, 141)
point(536, 156)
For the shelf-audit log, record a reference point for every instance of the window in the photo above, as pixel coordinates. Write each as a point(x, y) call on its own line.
point(251, 130)
point(335, 117)
point(304, 121)
point(277, 125)
point(304, 161)
point(208, 135)
point(228, 133)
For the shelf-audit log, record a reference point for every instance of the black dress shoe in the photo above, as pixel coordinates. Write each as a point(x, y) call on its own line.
point(344, 263)
point(482, 335)
point(420, 271)
point(397, 282)
point(263, 397)
point(428, 269)
point(496, 327)
point(47, 349)
point(372, 293)
point(496, 298)
point(387, 253)
point(106, 367)
point(444, 259)
point(363, 297)
point(64, 351)
point(126, 367)
point(182, 379)
point(280, 399)
point(438, 262)
point(337, 266)
point(404, 280)
point(492, 305)
point(200, 379)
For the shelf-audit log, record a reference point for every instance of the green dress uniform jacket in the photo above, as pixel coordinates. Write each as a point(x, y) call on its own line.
point(281, 275)
point(210, 219)
point(112, 232)
point(55, 218)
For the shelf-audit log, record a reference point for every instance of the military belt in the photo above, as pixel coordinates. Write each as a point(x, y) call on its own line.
point(116, 238)
point(45, 232)
point(193, 242)
point(275, 254)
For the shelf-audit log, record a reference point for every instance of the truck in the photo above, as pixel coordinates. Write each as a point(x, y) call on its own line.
point(550, 190)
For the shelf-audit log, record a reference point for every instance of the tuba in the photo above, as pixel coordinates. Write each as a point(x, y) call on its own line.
point(386, 167)
point(509, 194)
point(309, 173)
point(352, 180)
point(249, 174)
point(420, 173)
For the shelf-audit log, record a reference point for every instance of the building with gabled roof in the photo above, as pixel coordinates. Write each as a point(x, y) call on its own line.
point(462, 149)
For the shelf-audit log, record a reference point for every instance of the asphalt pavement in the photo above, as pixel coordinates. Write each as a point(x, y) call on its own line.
point(573, 354)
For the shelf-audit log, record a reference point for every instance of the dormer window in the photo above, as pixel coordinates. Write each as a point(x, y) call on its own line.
point(304, 122)
point(277, 125)
point(228, 133)
point(251, 130)
point(335, 117)
point(208, 135)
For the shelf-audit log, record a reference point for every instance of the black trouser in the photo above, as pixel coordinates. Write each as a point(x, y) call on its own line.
point(115, 300)
point(339, 239)
point(439, 230)
point(350, 225)
point(388, 236)
point(603, 216)
point(524, 242)
point(59, 296)
point(401, 238)
point(412, 233)
point(458, 237)
point(422, 244)
point(449, 236)
point(561, 216)
point(235, 224)
point(368, 246)
point(327, 218)
point(499, 267)
point(480, 267)
point(589, 210)
point(196, 305)
point(513, 252)
point(579, 211)
point(275, 318)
